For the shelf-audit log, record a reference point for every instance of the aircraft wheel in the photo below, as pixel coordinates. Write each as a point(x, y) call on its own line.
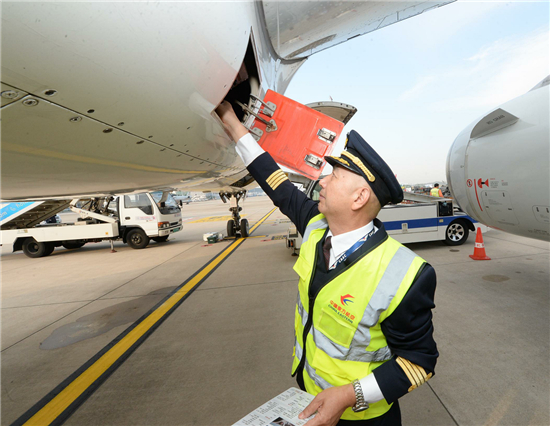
point(137, 239)
point(34, 249)
point(456, 234)
point(244, 228)
point(230, 228)
point(160, 239)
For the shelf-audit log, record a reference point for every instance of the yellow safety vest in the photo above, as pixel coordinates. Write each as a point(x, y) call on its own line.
point(344, 338)
point(434, 192)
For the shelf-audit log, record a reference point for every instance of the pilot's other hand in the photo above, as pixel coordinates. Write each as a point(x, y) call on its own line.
point(231, 121)
point(329, 405)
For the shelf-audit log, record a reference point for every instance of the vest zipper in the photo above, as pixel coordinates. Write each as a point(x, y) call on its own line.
point(309, 321)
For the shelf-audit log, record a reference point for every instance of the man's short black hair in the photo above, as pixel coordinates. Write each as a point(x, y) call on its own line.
point(436, 185)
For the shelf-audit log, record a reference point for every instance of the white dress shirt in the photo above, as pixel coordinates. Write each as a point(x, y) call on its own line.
point(248, 149)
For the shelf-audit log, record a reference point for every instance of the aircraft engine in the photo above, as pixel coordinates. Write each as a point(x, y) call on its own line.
point(498, 166)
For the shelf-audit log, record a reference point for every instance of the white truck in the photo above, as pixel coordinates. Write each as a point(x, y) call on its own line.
point(133, 218)
point(419, 218)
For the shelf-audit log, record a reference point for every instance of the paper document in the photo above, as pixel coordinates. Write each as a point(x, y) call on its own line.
point(283, 410)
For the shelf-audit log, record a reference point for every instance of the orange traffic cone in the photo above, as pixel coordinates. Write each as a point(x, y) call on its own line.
point(479, 250)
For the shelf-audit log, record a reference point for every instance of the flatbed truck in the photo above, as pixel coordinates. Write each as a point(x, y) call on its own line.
point(134, 219)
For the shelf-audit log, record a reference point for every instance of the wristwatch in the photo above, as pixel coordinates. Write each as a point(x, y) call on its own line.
point(360, 403)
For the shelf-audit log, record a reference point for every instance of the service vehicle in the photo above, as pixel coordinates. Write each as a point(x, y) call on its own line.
point(419, 218)
point(133, 218)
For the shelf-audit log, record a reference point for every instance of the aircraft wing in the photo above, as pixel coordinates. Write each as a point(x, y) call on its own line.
point(302, 28)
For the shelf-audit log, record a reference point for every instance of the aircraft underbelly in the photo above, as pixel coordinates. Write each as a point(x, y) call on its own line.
point(124, 95)
point(46, 142)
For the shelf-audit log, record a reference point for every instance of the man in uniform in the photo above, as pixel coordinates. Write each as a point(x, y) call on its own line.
point(363, 327)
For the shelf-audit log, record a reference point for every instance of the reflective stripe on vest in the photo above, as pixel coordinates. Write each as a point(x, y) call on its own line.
point(318, 222)
point(301, 311)
point(379, 302)
point(319, 381)
point(434, 192)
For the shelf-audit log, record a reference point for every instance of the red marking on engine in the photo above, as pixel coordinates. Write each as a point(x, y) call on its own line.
point(477, 198)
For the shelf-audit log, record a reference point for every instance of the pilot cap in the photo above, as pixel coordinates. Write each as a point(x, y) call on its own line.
point(360, 158)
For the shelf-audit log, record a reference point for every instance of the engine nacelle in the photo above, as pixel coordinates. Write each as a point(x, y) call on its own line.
point(498, 167)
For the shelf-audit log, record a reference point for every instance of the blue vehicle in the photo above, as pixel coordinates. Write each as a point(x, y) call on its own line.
point(419, 218)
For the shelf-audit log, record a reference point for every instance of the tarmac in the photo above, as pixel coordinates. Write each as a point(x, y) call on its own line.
point(224, 347)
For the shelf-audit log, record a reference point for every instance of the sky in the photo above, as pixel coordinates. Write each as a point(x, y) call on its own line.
point(418, 83)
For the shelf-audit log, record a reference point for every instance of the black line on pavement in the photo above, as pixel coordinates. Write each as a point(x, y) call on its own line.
point(443, 404)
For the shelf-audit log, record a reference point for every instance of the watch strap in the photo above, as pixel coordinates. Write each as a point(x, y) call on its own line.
point(360, 403)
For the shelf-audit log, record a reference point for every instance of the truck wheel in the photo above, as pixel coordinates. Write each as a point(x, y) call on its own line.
point(456, 234)
point(160, 239)
point(69, 245)
point(137, 239)
point(230, 228)
point(50, 247)
point(244, 228)
point(34, 249)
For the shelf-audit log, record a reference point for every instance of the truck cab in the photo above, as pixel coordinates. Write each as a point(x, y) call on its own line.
point(145, 216)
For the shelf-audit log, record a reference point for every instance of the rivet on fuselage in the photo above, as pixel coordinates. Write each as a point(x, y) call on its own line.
point(50, 92)
point(10, 94)
point(75, 119)
point(107, 130)
point(30, 102)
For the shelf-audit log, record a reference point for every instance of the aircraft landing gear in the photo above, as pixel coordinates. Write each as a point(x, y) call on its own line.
point(235, 227)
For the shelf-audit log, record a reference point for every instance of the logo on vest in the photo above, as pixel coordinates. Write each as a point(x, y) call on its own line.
point(346, 299)
point(340, 310)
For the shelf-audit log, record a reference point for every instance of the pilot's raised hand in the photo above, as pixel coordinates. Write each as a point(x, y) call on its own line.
point(230, 120)
point(329, 406)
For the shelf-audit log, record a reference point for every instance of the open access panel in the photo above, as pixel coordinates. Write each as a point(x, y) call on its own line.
point(298, 136)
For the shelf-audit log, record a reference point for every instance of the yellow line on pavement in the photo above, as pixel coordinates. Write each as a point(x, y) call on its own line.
point(56, 406)
point(213, 219)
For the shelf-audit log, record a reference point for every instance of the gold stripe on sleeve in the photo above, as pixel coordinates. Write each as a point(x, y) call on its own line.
point(278, 182)
point(406, 370)
point(274, 176)
point(416, 374)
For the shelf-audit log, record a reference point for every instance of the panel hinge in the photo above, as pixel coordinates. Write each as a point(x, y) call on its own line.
point(256, 133)
point(326, 135)
point(313, 161)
